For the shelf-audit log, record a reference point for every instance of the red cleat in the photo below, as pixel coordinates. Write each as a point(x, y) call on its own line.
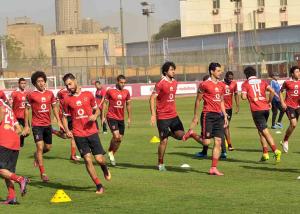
point(99, 189)
point(74, 159)
point(188, 134)
point(10, 201)
point(44, 178)
point(215, 171)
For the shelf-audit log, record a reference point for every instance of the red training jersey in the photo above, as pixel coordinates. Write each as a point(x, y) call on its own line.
point(3, 96)
point(213, 93)
point(117, 100)
point(80, 108)
point(18, 103)
point(230, 90)
point(292, 88)
point(9, 138)
point(255, 89)
point(165, 100)
point(100, 93)
point(61, 94)
point(41, 105)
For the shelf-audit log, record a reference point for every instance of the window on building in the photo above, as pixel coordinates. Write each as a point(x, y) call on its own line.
point(283, 2)
point(260, 3)
point(239, 27)
point(217, 28)
point(284, 23)
point(261, 25)
point(216, 4)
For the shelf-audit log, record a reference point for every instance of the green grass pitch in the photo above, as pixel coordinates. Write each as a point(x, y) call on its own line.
point(137, 187)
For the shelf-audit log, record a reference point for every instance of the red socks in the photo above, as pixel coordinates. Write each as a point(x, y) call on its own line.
point(214, 162)
point(16, 178)
point(42, 169)
point(265, 150)
point(96, 181)
point(73, 151)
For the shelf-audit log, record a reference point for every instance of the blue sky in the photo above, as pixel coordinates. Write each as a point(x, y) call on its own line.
point(104, 11)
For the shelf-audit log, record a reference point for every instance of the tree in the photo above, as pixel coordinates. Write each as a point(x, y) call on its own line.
point(169, 30)
point(13, 47)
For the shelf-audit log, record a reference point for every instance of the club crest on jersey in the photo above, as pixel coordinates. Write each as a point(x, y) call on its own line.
point(78, 103)
point(216, 89)
point(296, 86)
point(119, 97)
point(23, 98)
point(43, 99)
point(171, 88)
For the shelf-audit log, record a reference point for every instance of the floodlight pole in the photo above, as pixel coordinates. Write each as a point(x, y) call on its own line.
point(122, 37)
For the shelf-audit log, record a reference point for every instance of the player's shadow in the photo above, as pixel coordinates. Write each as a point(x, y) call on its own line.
point(57, 185)
point(184, 154)
point(264, 168)
point(151, 167)
point(246, 150)
point(189, 147)
point(243, 161)
point(245, 127)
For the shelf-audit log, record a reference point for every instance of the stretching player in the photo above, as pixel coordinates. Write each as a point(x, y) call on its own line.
point(100, 97)
point(166, 117)
point(9, 151)
point(79, 105)
point(117, 99)
point(213, 117)
point(291, 103)
point(254, 90)
point(41, 102)
point(18, 98)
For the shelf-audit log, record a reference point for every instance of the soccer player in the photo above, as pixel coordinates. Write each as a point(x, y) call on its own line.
point(254, 90)
point(213, 116)
point(118, 98)
point(41, 102)
point(276, 105)
point(100, 96)
point(291, 103)
point(79, 105)
point(165, 114)
point(61, 94)
point(18, 104)
point(9, 151)
point(230, 90)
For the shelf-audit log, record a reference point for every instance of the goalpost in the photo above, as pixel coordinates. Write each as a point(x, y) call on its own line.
point(12, 83)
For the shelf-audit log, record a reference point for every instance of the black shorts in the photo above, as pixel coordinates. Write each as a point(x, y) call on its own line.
point(70, 124)
point(260, 119)
point(167, 125)
point(115, 125)
point(90, 144)
point(8, 159)
point(292, 113)
point(212, 125)
point(229, 114)
point(42, 133)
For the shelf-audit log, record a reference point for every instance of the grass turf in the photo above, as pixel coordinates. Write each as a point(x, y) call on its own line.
point(137, 187)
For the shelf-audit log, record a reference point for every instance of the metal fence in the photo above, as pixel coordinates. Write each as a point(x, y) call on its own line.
point(190, 66)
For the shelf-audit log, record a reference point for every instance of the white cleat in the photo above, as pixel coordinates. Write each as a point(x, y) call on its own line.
point(162, 168)
point(298, 178)
point(112, 158)
point(285, 146)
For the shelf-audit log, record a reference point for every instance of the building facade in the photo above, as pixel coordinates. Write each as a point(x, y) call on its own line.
point(201, 17)
point(67, 13)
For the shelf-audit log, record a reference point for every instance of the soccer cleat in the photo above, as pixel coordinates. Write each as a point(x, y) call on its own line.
point(35, 162)
point(23, 186)
point(74, 159)
point(264, 157)
point(285, 146)
point(44, 178)
point(223, 155)
point(104, 132)
point(99, 189)
point(230, 148)
point(10, 201)
point(277, 155)
point(162, 168)
point(111, 158)
point(274, 127)
point(215, 171)
point(201, 155)
point(187, 135)
point(279, 125)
